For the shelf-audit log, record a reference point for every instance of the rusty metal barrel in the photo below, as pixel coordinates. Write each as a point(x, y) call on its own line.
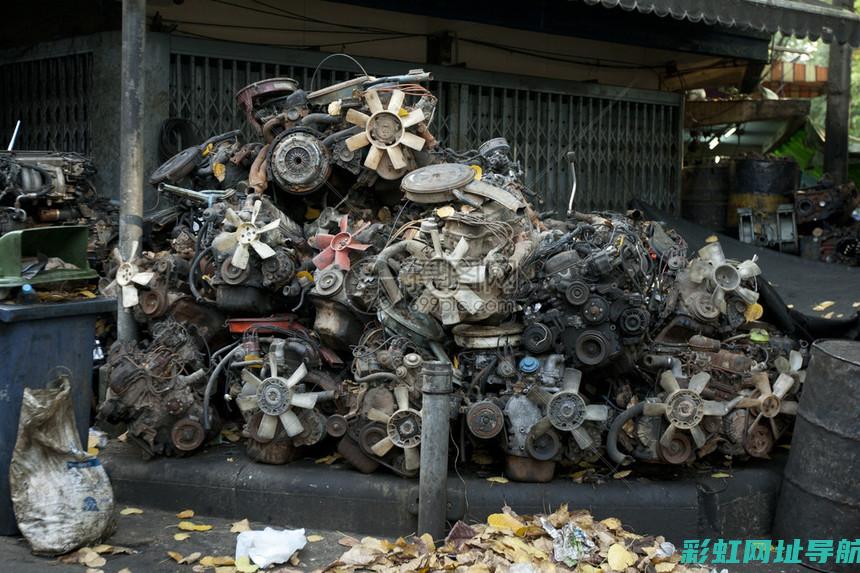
point(705, 195)
point(761, 185)
point(820, 497)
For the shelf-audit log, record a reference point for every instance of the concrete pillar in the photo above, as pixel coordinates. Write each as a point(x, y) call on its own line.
point(838, 104)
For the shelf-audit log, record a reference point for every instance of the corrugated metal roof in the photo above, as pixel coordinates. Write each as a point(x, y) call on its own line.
point(803, 19)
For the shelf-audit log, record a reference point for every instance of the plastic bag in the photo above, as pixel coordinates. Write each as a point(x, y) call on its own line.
point(270, 546)
point(61, 495)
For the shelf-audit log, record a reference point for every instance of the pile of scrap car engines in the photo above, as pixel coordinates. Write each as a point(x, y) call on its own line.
point(344, 248)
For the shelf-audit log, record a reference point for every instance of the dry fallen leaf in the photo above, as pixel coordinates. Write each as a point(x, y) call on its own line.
point(103, 548)
point(181, 536)
point(244, 565)
point(93, 560)
point(91, 570)
point(216, 561)
point(855, 304)
point(721, 475)
point(823, 305)
point(622, 474)
point(612, 523)
point(175, 555)
point(240, 526)
point(328, 460)
point(504, 521)
point(131, 511)
point(497, 479)
point(124, 570)
point(664, 567)
point(189, 559)
point(225, 569)
point(314, 538)
point(619, 558)
point(185, 514)
point(191, 526)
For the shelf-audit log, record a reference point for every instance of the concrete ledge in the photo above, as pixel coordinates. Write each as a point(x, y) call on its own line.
point(336, 496)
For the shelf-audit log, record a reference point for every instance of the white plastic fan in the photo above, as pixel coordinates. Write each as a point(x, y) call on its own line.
point(385, 130)
point(769, 400)
point(276, 399)
point(247, 234)
point(128, 277)
point(448, 278)
point(403, 428)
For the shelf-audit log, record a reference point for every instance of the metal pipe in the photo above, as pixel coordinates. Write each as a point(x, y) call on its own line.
point(836, 122)
point(131, 147)
point(436, 386)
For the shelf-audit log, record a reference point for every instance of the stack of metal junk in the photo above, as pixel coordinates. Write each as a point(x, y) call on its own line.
point(314, 269)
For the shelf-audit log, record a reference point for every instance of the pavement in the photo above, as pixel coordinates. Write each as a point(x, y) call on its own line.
point(150, 536)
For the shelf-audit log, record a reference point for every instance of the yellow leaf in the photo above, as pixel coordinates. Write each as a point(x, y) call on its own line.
point(328, 460)
point(216, 561)
point(176, 556)
point(497, 479)
point(191, 526)
point(504, 521)
point(94, 560)
point(622, 474)
point(87, 293)
point(428, 542)
point(189, 559)
point(586, 568)
point(93, 451)
point(721, 475)
point(124, 570)
point(131, 511)
point(231, 435)
point(619, 558)
point(185, 514)
point(314, 538)
point(855, 304)
point(228, 569)
point(664, 567)
point(244, 565)
point(91, 570)
point(102, 548)
point(612, 523)
point(823, 305)
point(181, 536)
point(240, 526)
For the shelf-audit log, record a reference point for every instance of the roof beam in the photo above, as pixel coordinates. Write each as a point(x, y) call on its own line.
point(720, 112)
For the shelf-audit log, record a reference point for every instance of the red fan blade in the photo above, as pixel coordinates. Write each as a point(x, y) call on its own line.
point(341, 258)
point(324, 259)
point(357, 246)
point(344, 223)
point(322, 240)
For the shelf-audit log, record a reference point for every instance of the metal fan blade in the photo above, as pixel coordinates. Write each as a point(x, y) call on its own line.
point(240, 257)
point(401, 395)
point(746, 403)
point(355, 117)
point(324, 259)
point(571, 380)
point(117, 257)
point(795, 359)
point(774, 429)
point(255, 212)
point(413, 141)
point(762, 382)
point(270, 226)
point(582, 438)
point(305, 400)
point(698, 436)
point(231, 217)
point(273, 365)
point(788, 407)
point(357, 141)
point(411, 458)
point(382, 447)
point(719, 299)
point(784, 383)
point(782, 364)
point(142, 279)
point(668, 382)
point(596, 413)
point(297, 376)
point(264, 251)
point(291, 423)
point(395, 154)
point(470, 301)
point(747, 295)
point(129, 296)
point(109, 289)
point(654, 409)
point(343, 224)
point(459, 252)
point(322, 240)
point(373, 157)
point(373, 103)
point(353, 246)
point(414, 117)
point(224, 242)
point(250, 378)
point(713, 408)
point(133, 253)
point(341, 259)
point(268, 426)
point(699, 382)
point(377, 415)
point(247, 403)
point(396, 101)
point(667, 437)
point(748, 269)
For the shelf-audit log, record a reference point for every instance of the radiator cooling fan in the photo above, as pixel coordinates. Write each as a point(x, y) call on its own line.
point(128, 277)
point(403, 428)
point(247, 235)
point(335, 248)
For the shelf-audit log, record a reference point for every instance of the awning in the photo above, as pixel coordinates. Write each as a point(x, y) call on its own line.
point(803, 19)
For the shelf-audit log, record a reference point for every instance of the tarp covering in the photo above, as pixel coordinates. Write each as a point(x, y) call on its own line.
point(803, 19)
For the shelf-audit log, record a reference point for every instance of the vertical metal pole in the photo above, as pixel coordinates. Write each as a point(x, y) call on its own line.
point(436, 386)
point(131, 146)
point(838, 103)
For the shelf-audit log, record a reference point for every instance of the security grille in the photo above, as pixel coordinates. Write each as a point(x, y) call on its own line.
point(50, 97)
point(626, 142)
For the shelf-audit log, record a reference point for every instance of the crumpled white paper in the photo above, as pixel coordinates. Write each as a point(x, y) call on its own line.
point(270, 546)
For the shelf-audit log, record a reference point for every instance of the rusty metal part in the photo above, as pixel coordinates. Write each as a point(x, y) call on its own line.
point(187, 434)
point(759, 442)
point(336, 425)
point(278, 451)
point(529, 470)
point(678, 451)
point(352, 453)
point(485, 420)
point(264, 89)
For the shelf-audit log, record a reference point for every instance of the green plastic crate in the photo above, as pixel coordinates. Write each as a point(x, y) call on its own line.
point(67, 243)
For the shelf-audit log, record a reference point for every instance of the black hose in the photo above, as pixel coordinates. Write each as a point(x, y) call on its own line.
point(342, 134)
point(213, 378)
point(612, 438)
point(192, 279)
point(318, 118)
point(377, 376)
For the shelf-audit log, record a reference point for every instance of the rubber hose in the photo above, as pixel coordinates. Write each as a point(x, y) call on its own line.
point(342, 134)
point(612, 438)
point(377, 376)
point(213, 378)
point(323, 118)
point(192, 279)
